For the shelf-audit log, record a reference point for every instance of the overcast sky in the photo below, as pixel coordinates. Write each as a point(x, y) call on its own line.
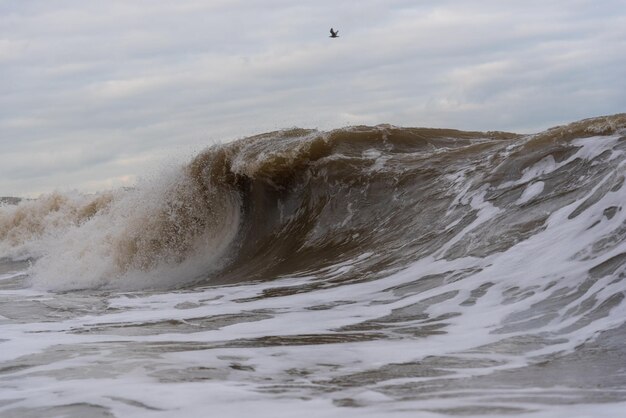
point(94, 94)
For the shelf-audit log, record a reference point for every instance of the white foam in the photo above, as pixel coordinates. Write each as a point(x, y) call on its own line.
point(116, 247)
point(530, 192)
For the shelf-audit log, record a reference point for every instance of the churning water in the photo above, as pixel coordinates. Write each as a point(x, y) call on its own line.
point(367, 271)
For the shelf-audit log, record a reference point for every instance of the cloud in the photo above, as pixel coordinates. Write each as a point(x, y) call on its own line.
point(88, 86)
point(119, 89)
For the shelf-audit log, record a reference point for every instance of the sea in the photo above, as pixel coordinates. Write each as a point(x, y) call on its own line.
point(368, 271)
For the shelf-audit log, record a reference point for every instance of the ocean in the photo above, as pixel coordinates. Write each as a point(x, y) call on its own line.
point(365, 271)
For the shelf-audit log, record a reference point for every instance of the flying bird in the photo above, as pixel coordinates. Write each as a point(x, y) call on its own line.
point(334, 33)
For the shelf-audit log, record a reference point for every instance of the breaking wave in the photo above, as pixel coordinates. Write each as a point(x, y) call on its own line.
point(295, 202)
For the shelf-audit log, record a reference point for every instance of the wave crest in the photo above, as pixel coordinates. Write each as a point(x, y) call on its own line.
point(296, 201)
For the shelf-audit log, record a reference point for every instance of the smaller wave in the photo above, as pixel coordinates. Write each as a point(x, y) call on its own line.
point(25, 224)
point(164, 232)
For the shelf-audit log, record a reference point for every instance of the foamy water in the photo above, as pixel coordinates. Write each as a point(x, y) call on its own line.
point(363, 272)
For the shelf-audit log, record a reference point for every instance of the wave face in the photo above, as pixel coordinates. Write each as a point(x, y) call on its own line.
point(297, 201)
point(450, 265)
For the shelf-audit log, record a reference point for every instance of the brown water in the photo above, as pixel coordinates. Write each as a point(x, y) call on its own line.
point(367, 270)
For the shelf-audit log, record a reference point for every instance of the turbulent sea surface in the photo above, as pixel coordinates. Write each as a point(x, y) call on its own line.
point(367, 271)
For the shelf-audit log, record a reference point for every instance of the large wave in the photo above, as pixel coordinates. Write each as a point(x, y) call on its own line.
point(297, 201)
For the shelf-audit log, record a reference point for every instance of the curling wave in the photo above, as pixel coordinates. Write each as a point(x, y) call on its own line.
point(297, 201)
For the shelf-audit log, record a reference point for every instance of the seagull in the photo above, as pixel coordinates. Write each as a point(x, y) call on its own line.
point(334, 33)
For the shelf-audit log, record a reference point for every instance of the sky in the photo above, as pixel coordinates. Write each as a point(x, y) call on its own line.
point(96, 94)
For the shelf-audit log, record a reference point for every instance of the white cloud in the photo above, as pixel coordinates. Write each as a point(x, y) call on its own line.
point(11, 49)
point(118, 89)
point(88, 86)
